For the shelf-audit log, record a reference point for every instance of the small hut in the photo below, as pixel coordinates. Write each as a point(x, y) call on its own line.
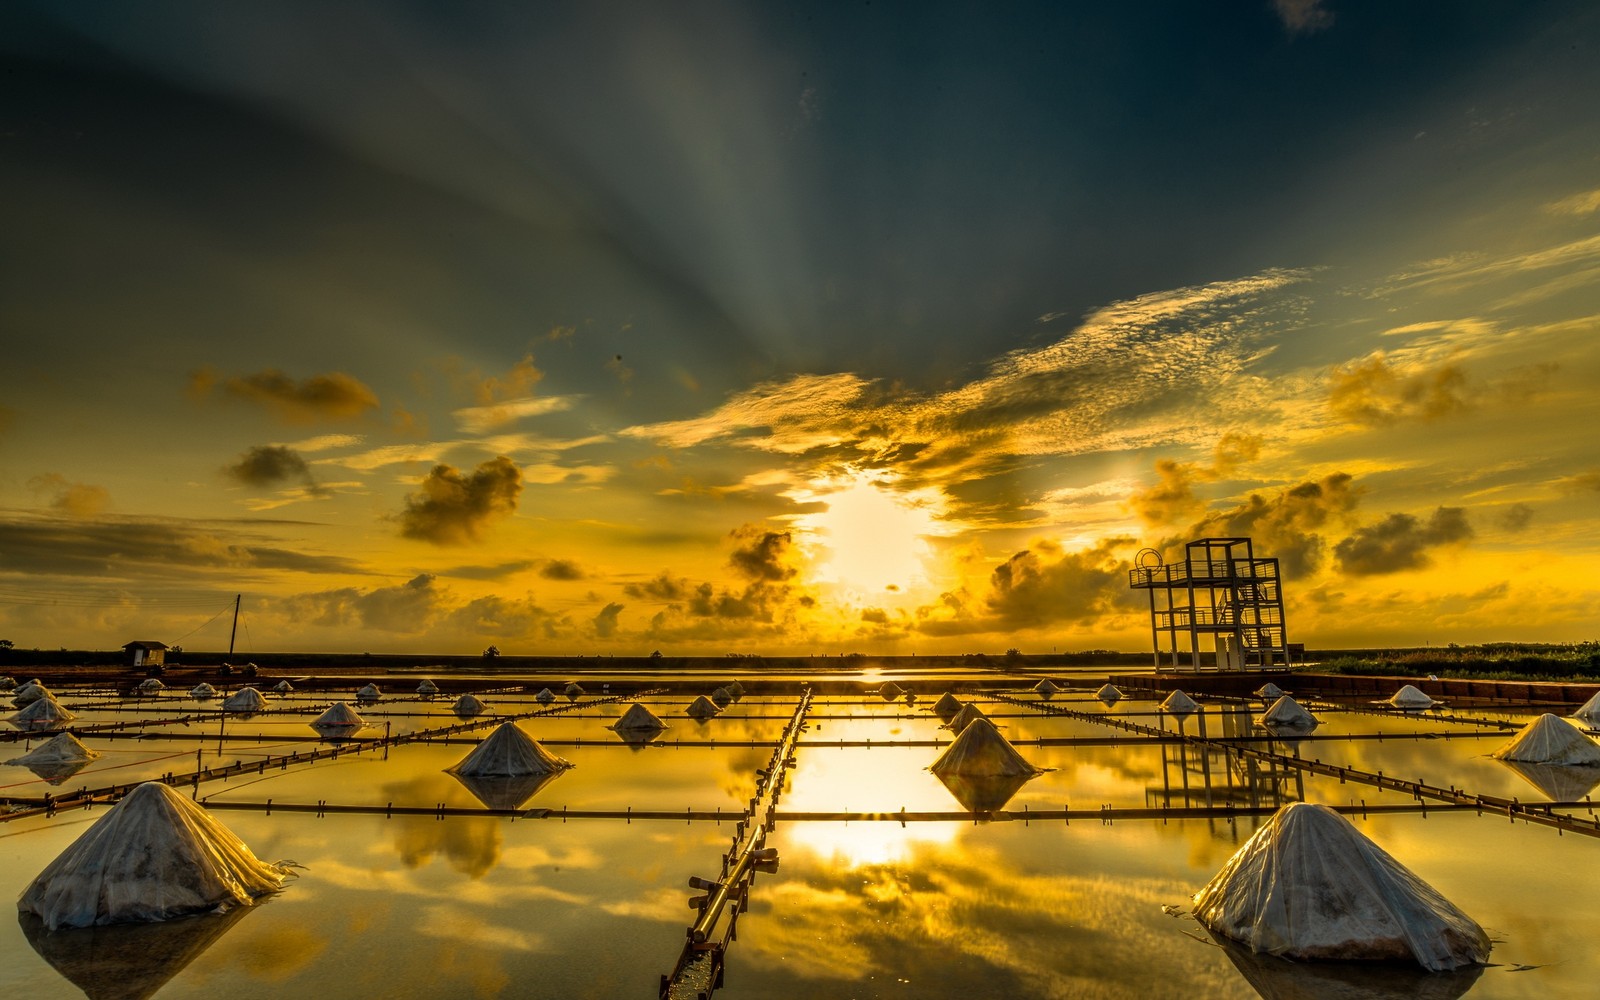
point(1309, 886)
point(145, 653)
point(153, 856)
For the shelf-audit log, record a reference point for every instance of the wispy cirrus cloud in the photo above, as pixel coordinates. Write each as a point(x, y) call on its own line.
point(490, 416)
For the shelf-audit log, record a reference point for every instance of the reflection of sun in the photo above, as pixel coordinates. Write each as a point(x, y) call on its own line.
point(846, 846)
point(875, 538)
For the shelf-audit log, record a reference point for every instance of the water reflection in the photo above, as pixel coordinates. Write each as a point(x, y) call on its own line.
point(984, 793)
point(506, 792)
point(1280, 979)
point(1558, 782)
point(128, 961)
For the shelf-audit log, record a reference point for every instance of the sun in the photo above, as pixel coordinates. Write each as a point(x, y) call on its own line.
point(871, 537)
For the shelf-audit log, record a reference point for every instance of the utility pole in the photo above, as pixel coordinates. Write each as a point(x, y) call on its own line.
point(232, 635)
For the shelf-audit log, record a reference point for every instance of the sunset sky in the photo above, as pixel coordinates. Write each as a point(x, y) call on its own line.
point(790, 327)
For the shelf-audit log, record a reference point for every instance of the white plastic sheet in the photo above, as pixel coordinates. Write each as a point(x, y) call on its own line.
point(1309, 885)
point(1178, 703)
point(638, 719)
point(1286, 713)
point(155, 855)
point(509, 752)
point(1410, 696)
point(1550, 739)
point(980, 751)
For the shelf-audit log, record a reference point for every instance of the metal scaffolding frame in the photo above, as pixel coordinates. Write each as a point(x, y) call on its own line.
point(1222, 589)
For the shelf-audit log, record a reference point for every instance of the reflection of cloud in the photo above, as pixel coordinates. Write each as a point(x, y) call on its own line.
point(470, 844)
point(451, 508)
point(457, 923)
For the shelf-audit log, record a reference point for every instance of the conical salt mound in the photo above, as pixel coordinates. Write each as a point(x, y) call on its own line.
point(155, 855)
point(46, 713)
point(890, 691)
point(508, 752)
point(1269, 691)
point(947, 706)
point(981, 752)
point(1109, 694)
point(964, 718)
point(545, 696)
point(1550, 740)
point(638, 719)
point(722, 697)
point(1410, 697)
point(63, 754)
point(701, 708)
point(1288, 714)
point(246, 699)
point(7, 684)
point(1590, 712)
point(30, 692)
point(202, 691)
point(1309, 885)
point(151, 685)
point(736, 689)
point(339, 714)
point(427, 687)
point(1178, 703)
point(469, 706)
point(283, 687)
point(573, 691)
point(369, 693)
point(1046, 688)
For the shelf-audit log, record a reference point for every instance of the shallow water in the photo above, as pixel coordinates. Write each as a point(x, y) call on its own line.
point(1014, 906)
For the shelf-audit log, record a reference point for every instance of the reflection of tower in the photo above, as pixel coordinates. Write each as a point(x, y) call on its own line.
point(1220, 589)
point(1209, 775)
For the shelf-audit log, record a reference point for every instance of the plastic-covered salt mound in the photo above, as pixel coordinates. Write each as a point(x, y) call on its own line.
point(369, 693)
point(1286, 713)
point(1109, 694)
point(722, 697)
point(1410, 697)
point(638, 719)
point(1269, 691)
point(151, 685)
point(573, 691)
point(545, 696)
point(427, 687)
point(1590, 712)
point(340, 714)
point(947, 706)
point(469, 705)
point(154, 856)
point(736, 689)
point(56, 759)
point(508, 752)
point(964, 718)
point(1046, 688)
point(45, 713)
point(283, 687)
point(202, 691)
point(1178, 703)
point(246, 699)
point(1308, 885)
point(1551, 740)
point(7, 684)
point(701, 708)
point(890, 691)
point(30, 692)
point(980, 751)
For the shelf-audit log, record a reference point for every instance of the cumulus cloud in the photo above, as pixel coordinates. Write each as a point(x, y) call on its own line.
point(334, 396)
point(1401, 542)
point(605, 623)
point(453, 509)
point(1374, 392)
point(409, 607)
point(271, 465)
point(1043, 584)
point(561, 569)
point(505, 618)
point(761, 554)
point(516, 382)
point(1289, 524)
point(1170, 499)
point(1515, 517)
point(76, 499)
point(664, 587)
point(1303, 17)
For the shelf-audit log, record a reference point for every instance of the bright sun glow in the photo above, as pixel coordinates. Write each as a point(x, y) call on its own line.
point(874, 538)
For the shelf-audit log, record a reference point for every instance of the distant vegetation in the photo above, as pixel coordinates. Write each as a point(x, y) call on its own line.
point(1493, 661)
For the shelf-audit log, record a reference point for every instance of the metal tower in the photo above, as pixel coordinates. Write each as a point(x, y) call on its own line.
point(1220, 589)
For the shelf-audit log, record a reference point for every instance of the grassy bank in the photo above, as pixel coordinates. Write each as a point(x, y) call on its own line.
point(1494, 661)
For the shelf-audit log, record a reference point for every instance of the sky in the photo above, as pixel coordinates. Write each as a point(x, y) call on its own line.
point(793, 328)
